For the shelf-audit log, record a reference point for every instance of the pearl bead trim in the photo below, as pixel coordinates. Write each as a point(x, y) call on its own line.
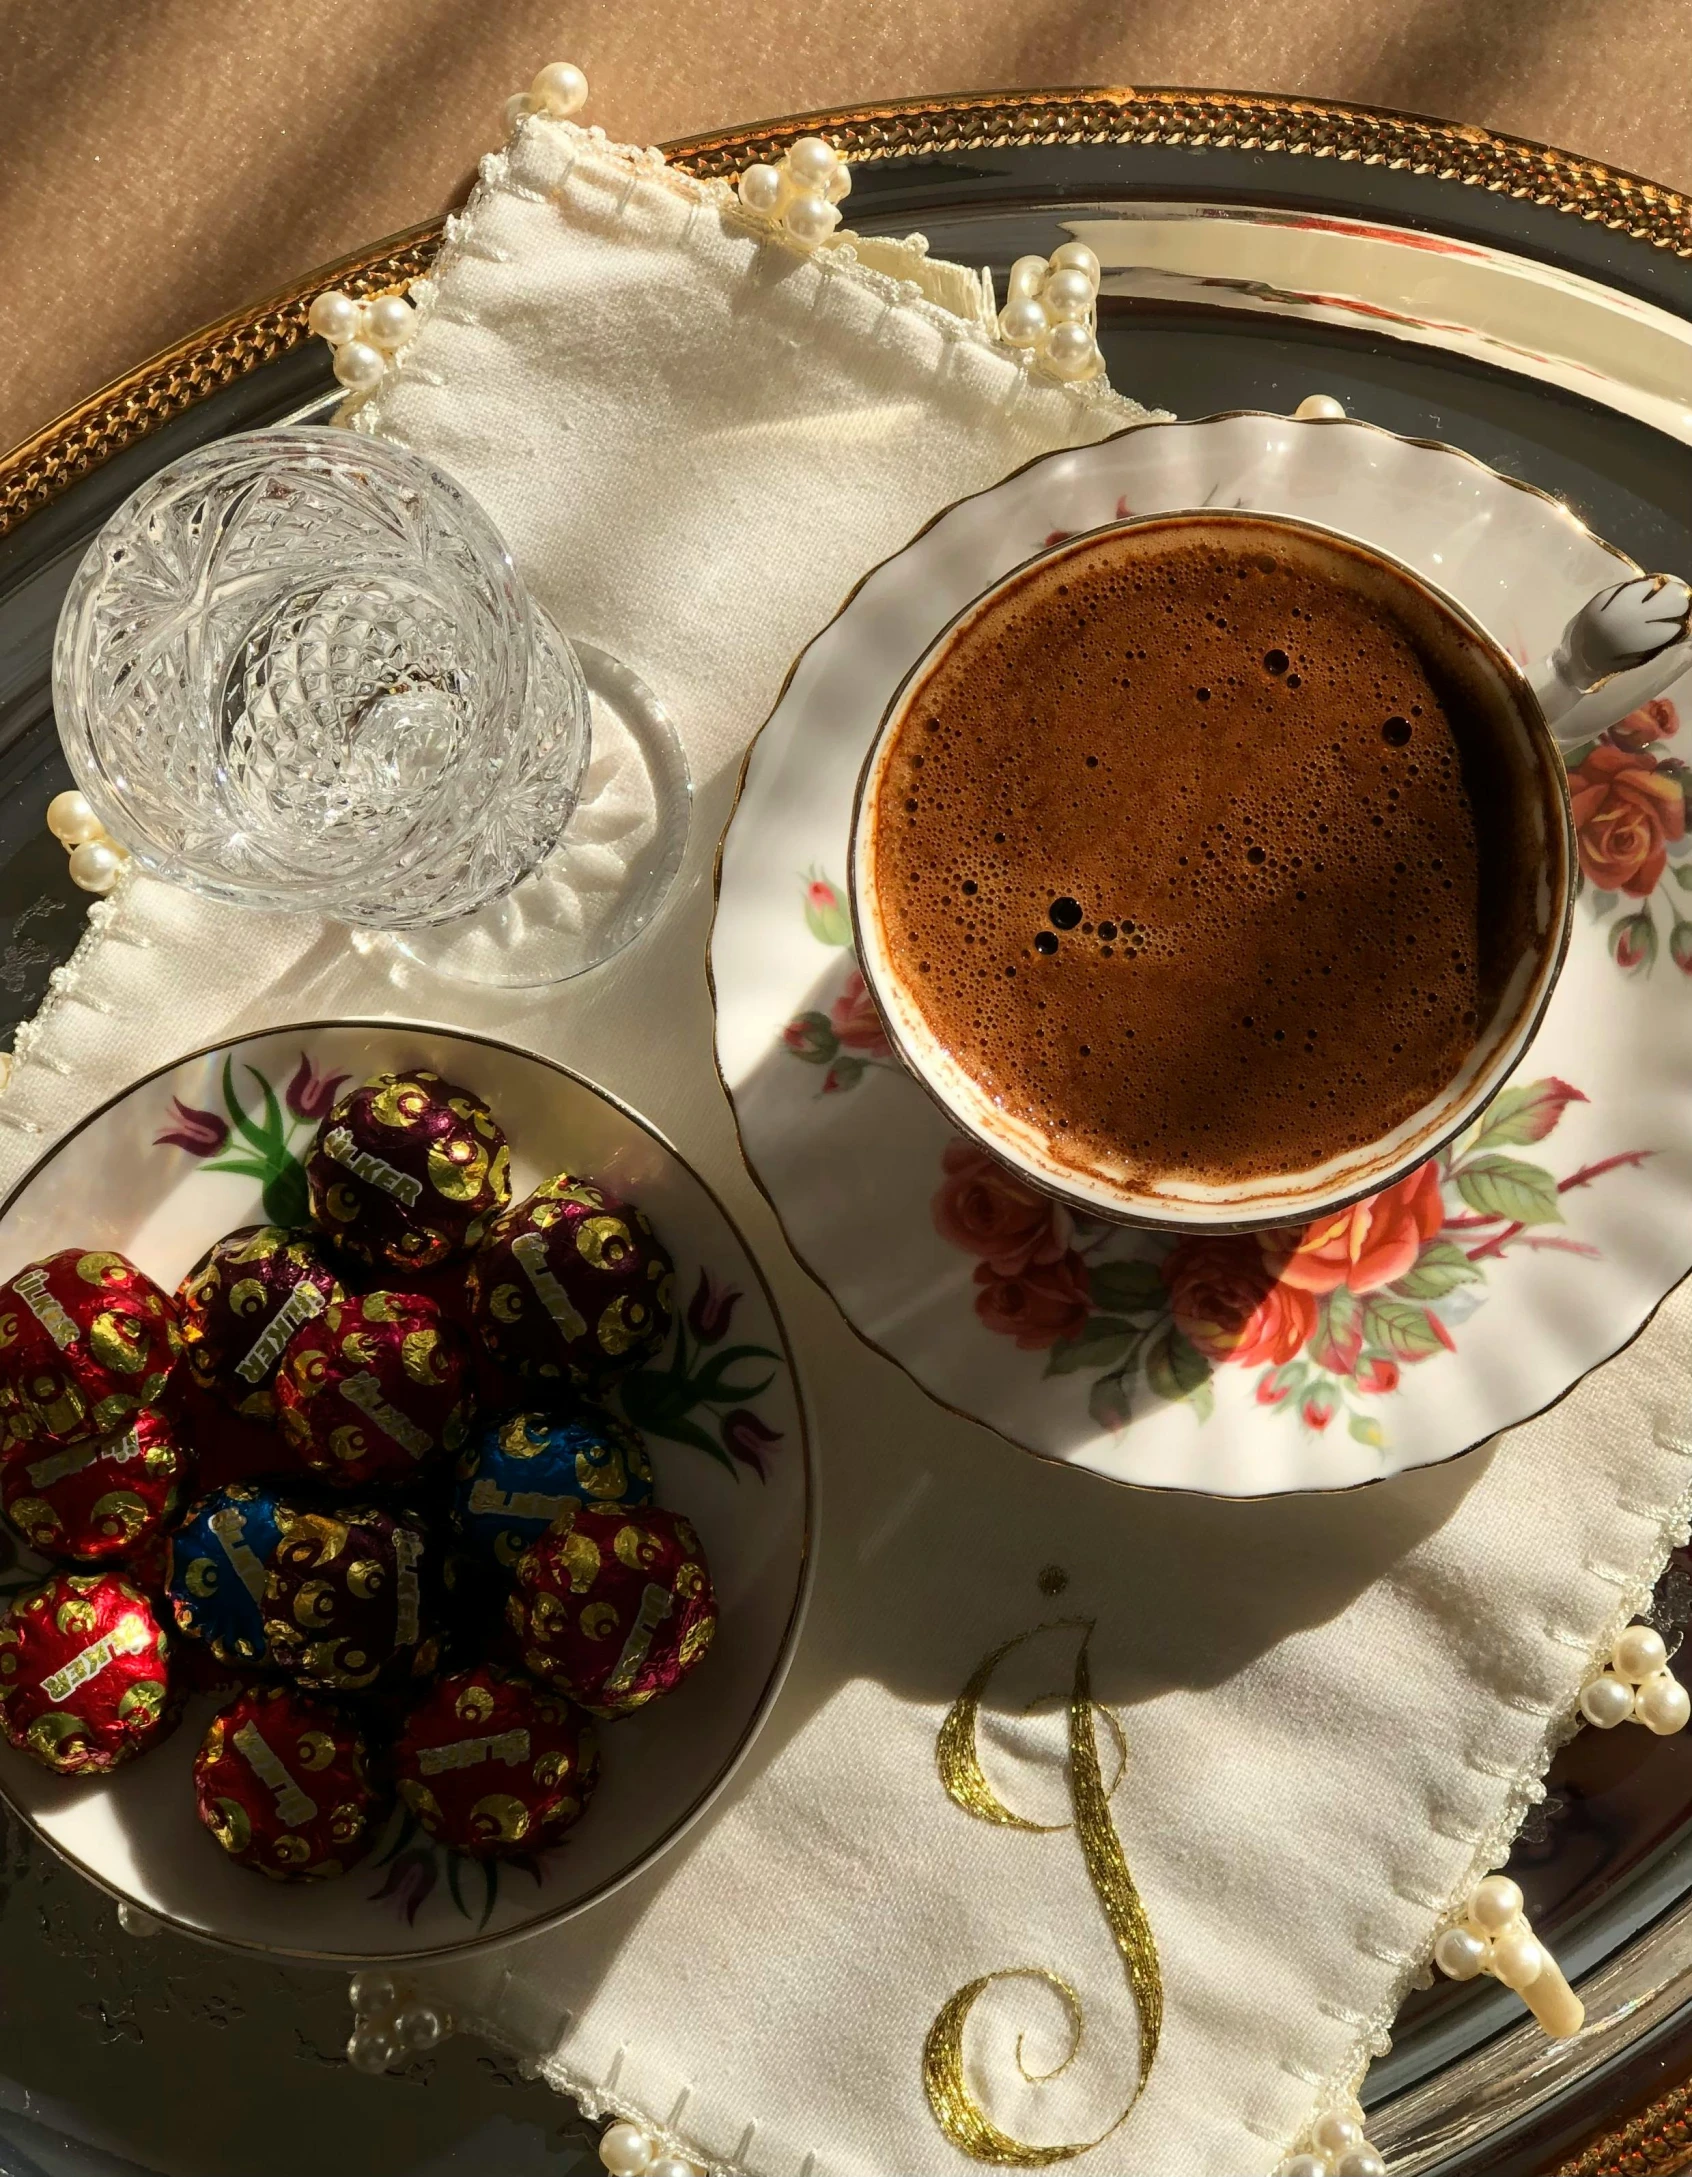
point(630, 2150)
point(391, 2023)
point(1052, 312)
point(1637, 1686)
point(1335, 2147)
point(955, 300)
point(96, 859)
point(364, 337)
point(802, 194)
point(1494, 1936)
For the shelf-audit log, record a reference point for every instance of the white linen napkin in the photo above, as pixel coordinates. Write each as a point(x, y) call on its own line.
point(1329, 1714)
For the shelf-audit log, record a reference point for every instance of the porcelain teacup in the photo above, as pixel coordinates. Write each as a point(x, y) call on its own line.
point(1638, 627)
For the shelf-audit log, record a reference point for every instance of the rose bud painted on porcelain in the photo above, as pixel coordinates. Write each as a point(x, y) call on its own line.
point(613, 1607)
point(374, 1390)
point(241, 1303)
point(406, 1171)
point(521, 1472)
point(349, 1597)
point(86, 1341)
point(97, 1499)
point(85, 1680)
point(571, 1285)
point(490, 1763)
point(282, 1782)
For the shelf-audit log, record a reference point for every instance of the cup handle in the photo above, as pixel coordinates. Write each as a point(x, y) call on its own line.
point(1640, 629)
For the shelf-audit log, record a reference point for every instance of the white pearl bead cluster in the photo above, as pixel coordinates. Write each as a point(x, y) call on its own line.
point(630, 2150)
point(391, 2023)
point(801, 193)
point(364, 335)
point(559, 89)
point(1337, 2149)
point(1637, 1686)
point(96, 859)
point(1494, 1937)
point(1051, 312)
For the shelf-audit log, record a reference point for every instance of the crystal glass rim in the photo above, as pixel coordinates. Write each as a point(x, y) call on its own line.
point(301, 449)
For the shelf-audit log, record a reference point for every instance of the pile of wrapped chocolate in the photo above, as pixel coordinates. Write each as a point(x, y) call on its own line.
point(421, 1553)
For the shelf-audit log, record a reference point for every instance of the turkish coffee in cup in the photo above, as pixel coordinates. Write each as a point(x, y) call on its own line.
point(1208, 865)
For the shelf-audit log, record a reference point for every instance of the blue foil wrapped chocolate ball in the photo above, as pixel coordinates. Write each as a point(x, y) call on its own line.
point(219, 1558)
point(518, 1475)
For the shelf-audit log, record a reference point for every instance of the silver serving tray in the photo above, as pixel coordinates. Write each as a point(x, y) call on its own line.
point(1528, 306)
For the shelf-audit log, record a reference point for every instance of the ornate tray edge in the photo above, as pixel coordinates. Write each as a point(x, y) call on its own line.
point(215, 356)
point(1657, 2141)
point(126, 410)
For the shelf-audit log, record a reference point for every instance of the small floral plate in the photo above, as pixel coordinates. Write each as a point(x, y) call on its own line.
point(1402, 1331)
point(215, 1142)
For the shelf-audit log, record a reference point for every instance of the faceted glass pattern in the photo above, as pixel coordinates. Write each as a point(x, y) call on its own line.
point(297, 669)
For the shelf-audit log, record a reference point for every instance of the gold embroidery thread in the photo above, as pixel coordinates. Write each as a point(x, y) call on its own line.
point(956, 2109)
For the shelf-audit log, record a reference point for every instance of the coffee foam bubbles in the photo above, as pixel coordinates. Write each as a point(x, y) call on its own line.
point(1201, 851)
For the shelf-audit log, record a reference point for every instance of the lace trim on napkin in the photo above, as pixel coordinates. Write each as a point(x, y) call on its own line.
point(64, 987)
point(1526, 1782)
point(602, 2101)
point(955, 300)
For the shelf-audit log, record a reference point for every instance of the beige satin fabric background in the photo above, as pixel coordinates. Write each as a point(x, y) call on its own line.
point(163, 161)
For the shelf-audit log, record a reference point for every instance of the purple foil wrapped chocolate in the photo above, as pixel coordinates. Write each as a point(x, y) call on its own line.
point(350, 1598)
point(613, 1607)
point(241, 1303)
point(406, 1171)
point(571, 1285)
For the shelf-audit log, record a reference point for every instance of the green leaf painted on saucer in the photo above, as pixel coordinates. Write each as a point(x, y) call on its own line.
point(1127, 1287)
point(1523, 1114)
point(1337, 1340)
point(1507, 1187)
point(1175, 1368)
point(1400, 1328)
point(1439, 1269)
point(1102, 1342)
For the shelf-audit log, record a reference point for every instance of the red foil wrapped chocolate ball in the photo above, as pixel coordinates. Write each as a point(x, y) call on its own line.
point(98, 1499)
point(84, 1673)
point(407, 1170)
point(241, 1303)
point(349, 1598)
point(86, 1340)
point(280, 1781)
point(571, 1284)
point(374, 1390)
point(613, 1607)
point(489, 1763)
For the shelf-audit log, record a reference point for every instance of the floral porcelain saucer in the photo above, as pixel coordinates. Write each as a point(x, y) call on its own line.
point(215, 1142)
point(1400, 1332)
